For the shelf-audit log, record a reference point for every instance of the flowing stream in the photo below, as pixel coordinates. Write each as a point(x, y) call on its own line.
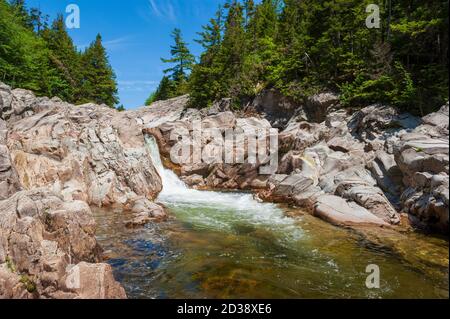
point(228, 245)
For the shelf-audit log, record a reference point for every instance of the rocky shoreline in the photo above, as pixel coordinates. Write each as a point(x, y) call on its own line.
point(368, 167)
point(365, 167)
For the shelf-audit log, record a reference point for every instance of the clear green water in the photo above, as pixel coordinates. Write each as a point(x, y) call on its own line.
point(230, 257)
point(228, 245)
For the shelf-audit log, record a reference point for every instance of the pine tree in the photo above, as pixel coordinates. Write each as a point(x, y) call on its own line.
point(20, 11)
point(45, 60)
point(182, 61)
point(65, 72)
point(204, 82)
point(166, 90)
point(99, 81)
point(301, 47)
point(23, 55)
point(38, 20)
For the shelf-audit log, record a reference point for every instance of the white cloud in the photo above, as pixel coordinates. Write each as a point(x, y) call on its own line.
point(117, 43)
point(163, 9)
point(110, 45)
point(137, 85)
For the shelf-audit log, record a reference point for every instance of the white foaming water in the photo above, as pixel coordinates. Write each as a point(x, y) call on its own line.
point(219, 209)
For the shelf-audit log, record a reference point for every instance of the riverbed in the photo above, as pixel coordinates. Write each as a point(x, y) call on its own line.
point(229, 245)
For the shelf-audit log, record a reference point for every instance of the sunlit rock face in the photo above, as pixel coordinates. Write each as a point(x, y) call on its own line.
point(355, 156)
point(48, 249)
point(423, 157)
point(56, 159)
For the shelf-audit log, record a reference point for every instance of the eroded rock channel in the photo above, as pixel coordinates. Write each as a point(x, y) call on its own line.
point(88, 210)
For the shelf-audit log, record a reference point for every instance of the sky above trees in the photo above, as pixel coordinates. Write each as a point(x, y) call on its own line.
point(136, 35)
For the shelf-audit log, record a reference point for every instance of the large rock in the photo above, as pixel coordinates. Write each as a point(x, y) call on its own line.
point(436, 124)
point(340, 212)
point(275, 107)
point(423, 157)
point(9, 181)
point(42, 237)
point(214, 174)
point(319, 105)
point(145, 212)
point(388, 175)
point(379, 125)
point(93, 281)
point(161, 111)
point(89, 152)
point(368, 196)
point(300, 135)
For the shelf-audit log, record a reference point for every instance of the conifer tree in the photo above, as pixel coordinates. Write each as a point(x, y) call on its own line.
point(182, 61)
point(99, 81)
point(23, 55)
point(204, 82)
point(44, 59)
point(64, 72)
point(166, 90)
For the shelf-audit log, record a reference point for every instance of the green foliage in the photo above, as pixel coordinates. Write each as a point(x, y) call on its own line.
point(301, 47)
point(44, 59)
point(167, 89)
point(10, 265)
point(29, 284)
point(23, 55)
point(99, 81)
point(64, 72)
point(176, 80)
point(395, 87)
point(182, 62)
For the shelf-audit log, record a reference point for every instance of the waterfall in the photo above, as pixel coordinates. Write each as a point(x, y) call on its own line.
point(218, 209)
point(172, 185)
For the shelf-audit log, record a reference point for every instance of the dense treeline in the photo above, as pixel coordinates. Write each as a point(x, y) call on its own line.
point(41, 57)
point(301, 47)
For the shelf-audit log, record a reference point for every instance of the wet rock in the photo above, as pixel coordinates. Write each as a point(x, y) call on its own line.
point(194, 180)
point(139, 220)
point(145, 212)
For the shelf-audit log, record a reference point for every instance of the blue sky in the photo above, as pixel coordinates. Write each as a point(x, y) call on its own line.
point(136, 34)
